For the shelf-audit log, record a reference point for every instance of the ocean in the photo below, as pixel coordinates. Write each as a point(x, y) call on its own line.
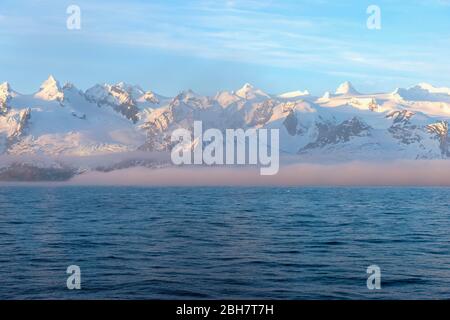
point(224, 242)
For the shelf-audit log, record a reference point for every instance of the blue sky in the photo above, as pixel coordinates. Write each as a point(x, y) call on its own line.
point(209, 45)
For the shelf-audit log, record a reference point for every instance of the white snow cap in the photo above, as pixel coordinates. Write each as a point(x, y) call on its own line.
point(294, 94)
point(51, 82)
point(50, 90)
point(326, 95)
point(346, 88)
point(5, 87)
point(135, 90)
point(249, 92)
point(6, 91)
point(432, 89)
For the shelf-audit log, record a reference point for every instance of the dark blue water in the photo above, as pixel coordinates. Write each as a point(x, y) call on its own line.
point(252, 243)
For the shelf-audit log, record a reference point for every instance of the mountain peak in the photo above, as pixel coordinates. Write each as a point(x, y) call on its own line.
point(135, 91)
point(425, 85)
point(423, 92)
point(151, 97)
point(50, 90)
point(50, 82)
point(432, 89)
point(246, 88)
point(68, 85)
point(332, 128)
point(187, 95)
point(5, 87)
point(128, 87)
point(5, 95)
point(249, 92)
point(346, 88)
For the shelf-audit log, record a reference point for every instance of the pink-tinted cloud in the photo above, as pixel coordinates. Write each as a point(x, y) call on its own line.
point(407, 173)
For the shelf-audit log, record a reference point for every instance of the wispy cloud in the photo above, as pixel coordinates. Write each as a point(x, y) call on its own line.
point(293, 35)
point(240, 31)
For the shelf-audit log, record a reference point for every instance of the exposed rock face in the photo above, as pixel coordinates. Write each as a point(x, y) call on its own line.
point(440, 130)
point(22, 122)
point(115, 97)
point(127, 106)
point(291, 123)
point(121, 118)
point(151, 97)
point(406, 134)
point(402, 129)
point(158, 138)
point(19, 123)
point(3, 108)
point(5, 96)
point(400, 116)
point(132, 163)
point(330, 133)
point(181, 112)
point(30, 173)
point(261, 113)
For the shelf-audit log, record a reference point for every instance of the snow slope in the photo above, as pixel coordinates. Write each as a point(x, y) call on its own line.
point(61, 120)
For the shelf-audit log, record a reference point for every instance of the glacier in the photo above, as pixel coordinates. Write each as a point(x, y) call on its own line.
point(110, 126)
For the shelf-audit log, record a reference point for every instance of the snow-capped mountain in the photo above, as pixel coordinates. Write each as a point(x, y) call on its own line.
point(408, 123)
point(343, 126)
point(346, 88)
point(50, 90)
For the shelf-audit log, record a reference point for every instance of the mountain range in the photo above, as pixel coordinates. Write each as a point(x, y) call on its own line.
point(61, 121)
